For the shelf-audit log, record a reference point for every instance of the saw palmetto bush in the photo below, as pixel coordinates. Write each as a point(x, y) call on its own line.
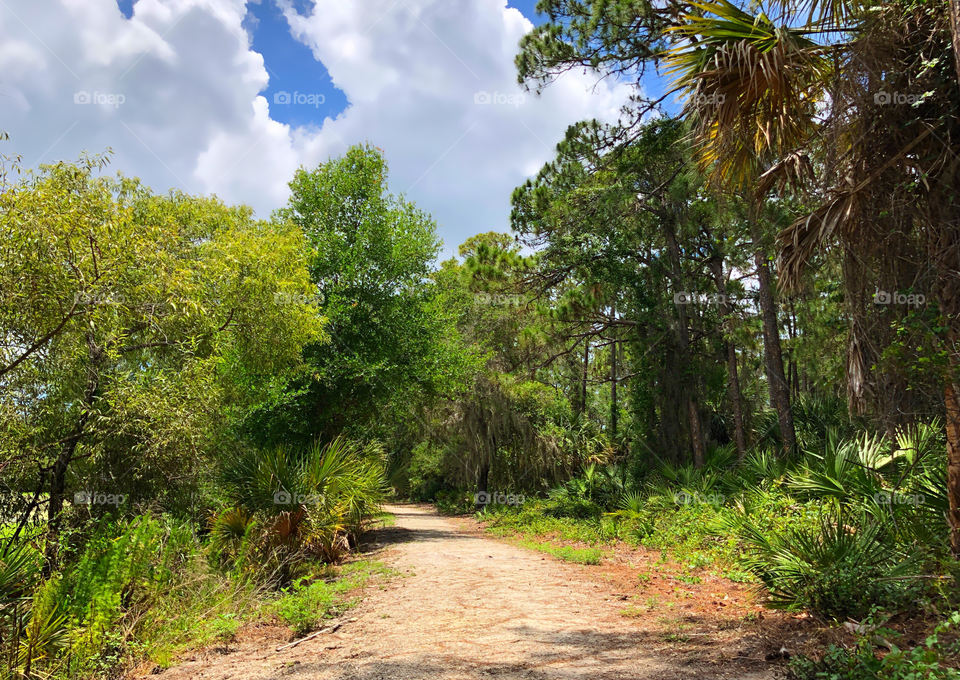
point(871, 527)
point(901, 484)
point(297, 503)
point(33, 624)
point(841, 567)
point(848, 471)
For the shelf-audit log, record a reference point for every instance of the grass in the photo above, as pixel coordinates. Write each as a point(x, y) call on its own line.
point(565, 552)
point(328, 593)
point(689, 537)
point(530, 521)
point(196, 615)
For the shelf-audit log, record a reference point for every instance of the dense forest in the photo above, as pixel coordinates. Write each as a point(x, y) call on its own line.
point(738, 319)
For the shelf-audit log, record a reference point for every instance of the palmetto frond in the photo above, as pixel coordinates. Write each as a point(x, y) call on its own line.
point(751, 88)
point(315, 497)
point(793, 172)
point(810, 233)
point(848, 471)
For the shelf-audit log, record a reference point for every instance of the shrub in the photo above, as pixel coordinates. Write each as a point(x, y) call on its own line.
point(311, 599)
point(837, 569)
point(309, 503)
point(929, 661)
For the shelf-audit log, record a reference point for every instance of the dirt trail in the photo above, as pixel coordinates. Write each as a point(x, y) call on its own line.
point(470, 607)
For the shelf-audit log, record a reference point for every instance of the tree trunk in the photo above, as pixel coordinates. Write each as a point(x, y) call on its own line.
point(945, 254)
point(483, 481)
point(773, 357)
point(696, 433)
point(683, 338)
point(55, 501)
point(726, 319)
point(735, 397)
point(58, 476)
point(586, 375)
point(955, 35)
point(673, 413)
point(949, 302)
point(953, 461)
point(613, 392)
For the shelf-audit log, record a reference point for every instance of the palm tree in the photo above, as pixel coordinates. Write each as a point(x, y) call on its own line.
point(893, 194)
point(886, 170)
point(752, 90)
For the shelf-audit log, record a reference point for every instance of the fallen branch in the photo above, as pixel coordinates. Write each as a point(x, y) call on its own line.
point(310, 637)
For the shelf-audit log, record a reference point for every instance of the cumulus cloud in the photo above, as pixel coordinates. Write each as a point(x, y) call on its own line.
point(432, 82)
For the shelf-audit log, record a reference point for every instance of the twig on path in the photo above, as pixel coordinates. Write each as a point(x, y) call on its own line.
point(310, 637)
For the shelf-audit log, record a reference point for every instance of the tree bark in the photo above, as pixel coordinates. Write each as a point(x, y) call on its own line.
point(586, 375)
point(696, 433)
point(949, 302)
point(953, 461)
point(683, 338)
point(726, 318)
point(945, 254)
point(773, 357)
point(955, 35)
point(613, 392)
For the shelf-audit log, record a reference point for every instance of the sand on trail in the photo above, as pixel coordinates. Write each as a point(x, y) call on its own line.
point(467, 606)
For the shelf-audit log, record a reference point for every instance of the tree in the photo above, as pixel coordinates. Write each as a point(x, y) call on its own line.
point(751, 88)
point(390, 337)
point(619, 220)
point(122, 315)
point(869, 150)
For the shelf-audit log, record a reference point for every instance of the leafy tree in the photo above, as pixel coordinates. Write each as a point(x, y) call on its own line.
point(123, 315)
point(390, 336)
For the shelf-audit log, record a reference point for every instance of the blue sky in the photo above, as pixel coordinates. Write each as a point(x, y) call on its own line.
point(292, 66)
point(194, 86)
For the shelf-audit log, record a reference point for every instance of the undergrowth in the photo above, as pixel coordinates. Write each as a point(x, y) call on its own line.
point(566, 552)
point(326, 594)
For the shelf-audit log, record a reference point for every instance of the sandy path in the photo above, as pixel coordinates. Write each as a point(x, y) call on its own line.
point(471, 607)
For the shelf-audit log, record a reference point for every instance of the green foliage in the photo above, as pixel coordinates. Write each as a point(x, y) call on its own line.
point(32, 620)
point(933, 660)
point(531, 520)
point(392, 339)
point(313, 501)
point(842, 568)
point(565, 552)
point(308, 601)
point(131, 325)
point(425, 473)
point(816, 534)
point(135, 589)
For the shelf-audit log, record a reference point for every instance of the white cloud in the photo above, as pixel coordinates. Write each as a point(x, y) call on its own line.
point(192, 117)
